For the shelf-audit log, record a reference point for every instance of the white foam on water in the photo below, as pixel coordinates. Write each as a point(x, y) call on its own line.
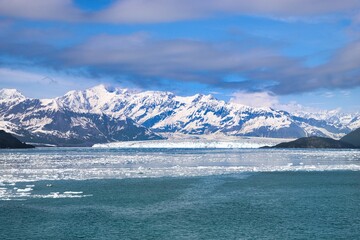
point(66, 194)
point(71, 192)
point(15, 193)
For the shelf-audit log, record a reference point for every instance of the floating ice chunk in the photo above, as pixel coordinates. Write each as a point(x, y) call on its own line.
point(103, 163)
point(71, 192)
point(28, 189)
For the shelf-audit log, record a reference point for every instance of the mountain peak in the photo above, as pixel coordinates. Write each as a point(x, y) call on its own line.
point(10, 94)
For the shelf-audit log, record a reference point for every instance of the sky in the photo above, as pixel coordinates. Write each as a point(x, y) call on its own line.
point(273, 53)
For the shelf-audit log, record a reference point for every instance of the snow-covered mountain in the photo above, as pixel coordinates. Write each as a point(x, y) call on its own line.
point(50, 121)
point(334, 117)
point(199, 114)
point(103, 114)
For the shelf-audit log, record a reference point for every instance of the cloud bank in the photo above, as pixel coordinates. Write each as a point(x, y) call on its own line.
point(145, 60)
point(156, 11)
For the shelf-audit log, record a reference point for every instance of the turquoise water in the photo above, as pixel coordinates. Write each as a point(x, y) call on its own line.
point(46, 194)
point(302, 205)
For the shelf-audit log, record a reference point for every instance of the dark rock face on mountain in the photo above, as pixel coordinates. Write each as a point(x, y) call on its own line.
point(352, 138)
point(9, 141)
point(315, 142)
point(68, 128)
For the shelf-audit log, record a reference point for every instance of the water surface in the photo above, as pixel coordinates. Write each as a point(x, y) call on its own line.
point(180, 194)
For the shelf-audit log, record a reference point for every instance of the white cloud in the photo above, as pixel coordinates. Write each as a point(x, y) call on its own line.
point(40, 84)
point(294, 107)
point(257, 99)
point(145, 58)
point(345, 93)
point(19, 76)
point(266, 99)
point(62, 10)
point(328, 95)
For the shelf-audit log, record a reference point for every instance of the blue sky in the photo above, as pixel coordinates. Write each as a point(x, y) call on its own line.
point(284, 52)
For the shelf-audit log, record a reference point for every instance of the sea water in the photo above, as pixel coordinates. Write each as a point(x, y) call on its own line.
point(71, 193)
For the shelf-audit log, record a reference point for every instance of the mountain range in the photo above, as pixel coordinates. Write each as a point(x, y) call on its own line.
point(105, 114)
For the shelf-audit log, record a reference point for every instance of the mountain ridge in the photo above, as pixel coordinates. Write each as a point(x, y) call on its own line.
point(9, 141)
point(352, 138)
point(151, 113)
point(315, 142)
point(349, 141)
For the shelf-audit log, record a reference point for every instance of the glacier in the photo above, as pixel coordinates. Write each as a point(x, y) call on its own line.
point(245, 142)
